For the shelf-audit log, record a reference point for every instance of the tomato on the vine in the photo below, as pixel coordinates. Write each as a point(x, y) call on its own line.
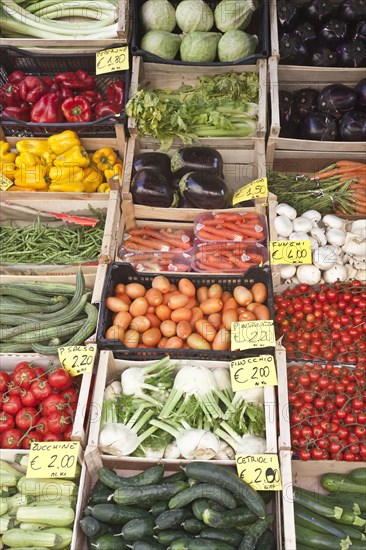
point(59, 379)
point(10, 438)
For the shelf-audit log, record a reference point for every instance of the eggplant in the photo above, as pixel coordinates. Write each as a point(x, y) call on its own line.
point(336, 100)
point(352, 126)
point(290, 124)
point(292, 50)
point(352, 54)
point(320, 127)
point(360, 90)
point(352, 10)
point(318, 11)
point(333, 32)
point(323, 57)
point(306, 102)
point(156, 161)
point(204, 190)
point(359, 31)
point(306, 32)
point(185, 203)
point(288, 16)
point(197, 159)
point(151, 188)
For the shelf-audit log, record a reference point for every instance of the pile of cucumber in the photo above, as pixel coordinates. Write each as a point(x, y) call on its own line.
point(336, 520)
point(204, 507)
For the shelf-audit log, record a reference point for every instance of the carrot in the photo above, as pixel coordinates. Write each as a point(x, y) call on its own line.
point(148, 243)
point(349, 163)
point(247, 231)
point(223, 216)
point(223, 234)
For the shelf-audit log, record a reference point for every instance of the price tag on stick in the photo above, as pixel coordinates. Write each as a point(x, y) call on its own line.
point(290, 252)
point(53, 459)
point(112, 60)
point(258, 189)
point(77, 359)
point(5, 182)
point(262, 472)
point(253, 372)
point(252, 334)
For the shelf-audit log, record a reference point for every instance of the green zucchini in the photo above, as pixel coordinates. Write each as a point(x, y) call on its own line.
point(167, 536)
point(209, 544)
point(149, 477)
point(148, 494)
point(91, 527)
point(180, 544)
point(317, 540)
point(318, 523)
point(255, 531)
point(18, 537)
point(201, 504)
point(267, 541)
point(193, 526)
point(225, 535)
point(354, 502)
point(99, 494)
point(137, 529)
point(228, 480)
point(65, 534)
point(158, 507)
point(109, 542)
point(147, 544)
point(172, 518)
point(358, 475)
point(340, 482)
point(232, 518)
point(117, 514)
point(203, 490)
point(32, 526)
point(57, 516)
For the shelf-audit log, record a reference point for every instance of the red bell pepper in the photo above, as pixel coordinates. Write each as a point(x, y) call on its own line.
point(77, 109)
point(9, 95)
point(116, 92)
point(20, 112)
point(87, 79)
point(80, 80)
point(16, 77)
point(105, 108)
point(63, 92)
point(47, 80)
point(47, 109)
point(32, 89)
point(92, 96)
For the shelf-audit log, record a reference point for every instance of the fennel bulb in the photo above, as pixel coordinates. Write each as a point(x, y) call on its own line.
point(149, 383)
point(247, 443)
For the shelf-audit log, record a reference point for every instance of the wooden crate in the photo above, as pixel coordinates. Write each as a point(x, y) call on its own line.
point(293, 78)
point(157, 75)
point(241, 166)
point(78, 46)
point(118, 143)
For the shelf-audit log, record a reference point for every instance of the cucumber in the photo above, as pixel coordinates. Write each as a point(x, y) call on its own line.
point(138, 528)
point(354, 502)
point(340, 482)
point(149, 477)
point(255, 531)
point(109, 542)
point(203, 490)
point(193, 526)
point(318, 523)
point(99, 494)
point(228, 480)
point(148, 494)
point(180, 544)
point(158, 507)
point(178, 476)
point(147, 544)
point(91, 527)
point(358, 475)
point(267, 541)
point(167, 536)
point(117, 514)
point(201, 504)
point(225, 520)
point(192, 482)
point(318, 540)
point(225, 535)
point(206, 544)
point(172, 518)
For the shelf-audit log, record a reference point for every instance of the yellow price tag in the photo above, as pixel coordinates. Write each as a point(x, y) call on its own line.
point(253, 372)
point(50, 459)
point(262, 472)
point(5, 182)
point(258, 189)
point(77, 359)
point(112, 60)
point(290, 252)
point(252, 334)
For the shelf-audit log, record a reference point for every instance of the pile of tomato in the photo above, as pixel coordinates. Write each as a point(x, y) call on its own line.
point(36, 405)
point(326, 323)
point(327, 412)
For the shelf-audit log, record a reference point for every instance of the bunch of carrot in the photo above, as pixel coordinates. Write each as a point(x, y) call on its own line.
point(154, 262)
point(222, 226)
point(229, 257)
point(164, 239)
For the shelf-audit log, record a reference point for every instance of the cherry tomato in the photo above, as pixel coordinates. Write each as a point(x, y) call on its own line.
point(10, 439)
point(23, 377)
point(28, 398)
point(22, 365)
point(12, 404)
point(60, 379)
point(41, 389)
point(41, 426)
point(6, 421)
point(4, 380)
point(51, 437)
point(26, 418)
point(30, 437)
point(57, 422)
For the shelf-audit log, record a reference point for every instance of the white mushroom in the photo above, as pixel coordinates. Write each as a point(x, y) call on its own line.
point(298, 236)
point(359, 227)
point(283, 209)
point(336, 273)
point(294, 280)
point(354, 245)
point(309, 274)
point(313, 215)
point(287, 271)
point(361, 275)
point(324, 257)
point(302, 224)
point(283, 226)
point(314, 243)
point(335, 236)
point(330, 220)
point(319, 235)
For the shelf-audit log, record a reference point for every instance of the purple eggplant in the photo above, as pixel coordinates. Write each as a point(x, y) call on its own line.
point(359, 31)
point(306, 32)
point(318, 11)
point(290, 126)
point(333, 32)
point(306, 102)
point(155, 160)
point(336, 100)
point(323, 57)
point(352, 54)
point(292, 50)
point(352, 126)
point(197, 159)
point(204, 190)
point(185, 203)
point(352, 10)
point(319, 127)
point(361, 94)
point(288, 16)
point(151, 188)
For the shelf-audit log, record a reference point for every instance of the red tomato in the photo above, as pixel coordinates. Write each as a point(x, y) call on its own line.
point(28, 398)
point(58, 422)
point(42, 426)
point(10, 438)
point(4, 380)
point(26, 418)
point(53, 403)
point(317, 454)
point(39, 372)
point(6, 421)
point(52, 437)
point(23, 377)
point(60, 379)
point(71, 395)
point(22, 365)
point(12, 404)
point(41, 389)
point(30, 437)
point(67, 433)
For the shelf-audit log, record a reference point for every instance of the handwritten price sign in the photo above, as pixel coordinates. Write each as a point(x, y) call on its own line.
point(252, 334)
point(53, 459)
point(77, 359)
point(262, 472)
point(253, 372)
point(112, 60)
point(5, 182)
point(258, 189)
point(290, 252)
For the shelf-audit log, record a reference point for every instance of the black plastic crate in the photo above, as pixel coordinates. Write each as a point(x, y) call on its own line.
point(259, 25)
point(121, 272)
point(12, 59)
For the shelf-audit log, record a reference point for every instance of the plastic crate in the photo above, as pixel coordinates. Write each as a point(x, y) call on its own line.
point(260, 20)
point(39, 64)
point(120, 272)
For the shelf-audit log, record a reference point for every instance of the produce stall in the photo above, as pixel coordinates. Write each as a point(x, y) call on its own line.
point(182, 275)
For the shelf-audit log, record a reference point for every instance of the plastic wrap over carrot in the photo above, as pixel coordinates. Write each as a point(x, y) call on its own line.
point(225, 226)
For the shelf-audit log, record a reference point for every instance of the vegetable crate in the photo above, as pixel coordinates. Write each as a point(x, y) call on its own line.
point(156, 75)
point(43, 64)
point(124, 273)
point(21, 214)
point(92, 464)
point(79, 432)
point(241, 166)
point(295, 473)
point(259, 26)
point(80, 46)
point(293, 78)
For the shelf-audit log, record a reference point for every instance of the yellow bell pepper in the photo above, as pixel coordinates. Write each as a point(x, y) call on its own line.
point(36, 146)
point(31, 179)
point(5, 153)
point(16, 188)
point(92, 179)
point(104, 158)
point(65, 187)
point(116, 170)
point(60, 143)
point(66, 174)
point(7, 169)
point(104, 188)
point(76, 156)
point(27, 160)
